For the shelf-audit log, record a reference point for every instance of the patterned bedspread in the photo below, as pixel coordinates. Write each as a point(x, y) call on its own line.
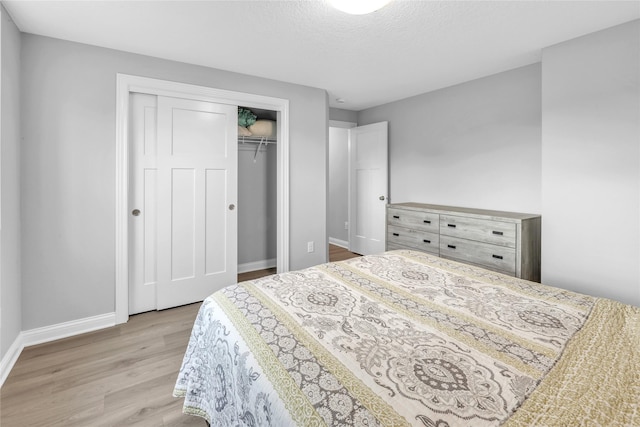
point(405, 338)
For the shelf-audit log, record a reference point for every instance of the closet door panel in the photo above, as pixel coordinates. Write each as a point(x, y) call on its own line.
point(216, 183)
point(197, 219)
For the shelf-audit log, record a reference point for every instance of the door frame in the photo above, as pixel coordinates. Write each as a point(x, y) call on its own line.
point(125, 84)
point(342, 125)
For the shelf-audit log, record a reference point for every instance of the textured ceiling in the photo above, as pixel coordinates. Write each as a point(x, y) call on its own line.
point(406, 48)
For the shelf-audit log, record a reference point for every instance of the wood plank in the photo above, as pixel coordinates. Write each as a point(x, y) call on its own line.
point(337, 253)
point(85, 380)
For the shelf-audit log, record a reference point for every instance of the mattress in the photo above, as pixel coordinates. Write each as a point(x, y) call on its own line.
point(405, 338)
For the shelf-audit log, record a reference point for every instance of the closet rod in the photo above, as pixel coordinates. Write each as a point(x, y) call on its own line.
point(263, 140)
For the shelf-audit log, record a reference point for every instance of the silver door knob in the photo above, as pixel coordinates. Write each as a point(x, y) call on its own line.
point(381, 197)
point(232, 207)
point(135, 212)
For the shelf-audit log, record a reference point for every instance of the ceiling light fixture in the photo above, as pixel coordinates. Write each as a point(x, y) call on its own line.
point(358, 7)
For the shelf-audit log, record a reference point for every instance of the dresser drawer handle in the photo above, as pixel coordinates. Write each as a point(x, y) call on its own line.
point(451, 246)
point(396, 234)
point(498, 233)
point(497, 256)
point(396, 216)
point(451, 225)
point(426, 241)
point(426, 221)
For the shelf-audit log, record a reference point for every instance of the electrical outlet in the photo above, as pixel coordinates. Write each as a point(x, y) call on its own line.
point(346, 225)
point(309, 247)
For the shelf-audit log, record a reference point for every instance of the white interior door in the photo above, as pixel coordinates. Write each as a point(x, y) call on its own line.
point(368, 188)
point(185, 234)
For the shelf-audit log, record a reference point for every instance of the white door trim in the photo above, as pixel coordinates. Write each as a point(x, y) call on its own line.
point(341, 124)
point(127, 83)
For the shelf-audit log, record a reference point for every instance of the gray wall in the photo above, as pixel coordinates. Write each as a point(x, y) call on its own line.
point(560, 138)
point(68, 170)
point(476, 144)
point(338, 183)
point(343, 115)
point(10, 293)
point(591, 163)
point(257, 207)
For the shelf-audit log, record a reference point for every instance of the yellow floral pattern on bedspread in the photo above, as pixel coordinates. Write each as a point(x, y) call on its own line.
point(405, 338)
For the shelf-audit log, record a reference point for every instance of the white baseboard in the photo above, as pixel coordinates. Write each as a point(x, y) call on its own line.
point(52, 333)
point(68, 329)
point(10, 358)
point(338, 242)
point(257, 265)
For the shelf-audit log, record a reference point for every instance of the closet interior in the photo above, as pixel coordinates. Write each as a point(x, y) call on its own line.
point(257, 185)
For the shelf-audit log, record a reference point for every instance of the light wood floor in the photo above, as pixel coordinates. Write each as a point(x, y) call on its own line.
point(118, 376)
point(336, 253)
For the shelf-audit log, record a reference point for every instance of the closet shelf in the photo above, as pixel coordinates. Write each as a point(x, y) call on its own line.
point(256, 140)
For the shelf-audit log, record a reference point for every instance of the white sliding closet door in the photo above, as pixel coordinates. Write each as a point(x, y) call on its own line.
point(185, 189)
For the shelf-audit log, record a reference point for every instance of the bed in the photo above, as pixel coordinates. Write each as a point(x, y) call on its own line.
point(405, 338)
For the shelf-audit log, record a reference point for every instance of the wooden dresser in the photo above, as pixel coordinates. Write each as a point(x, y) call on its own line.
point(507, 242)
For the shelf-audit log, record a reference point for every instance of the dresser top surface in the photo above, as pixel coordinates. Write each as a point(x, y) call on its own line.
point(469, 211)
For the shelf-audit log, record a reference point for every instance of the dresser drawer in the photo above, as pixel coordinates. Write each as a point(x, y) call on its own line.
point(481, 230)
point(418, 239)
point(493, 257)
point(424, 221)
